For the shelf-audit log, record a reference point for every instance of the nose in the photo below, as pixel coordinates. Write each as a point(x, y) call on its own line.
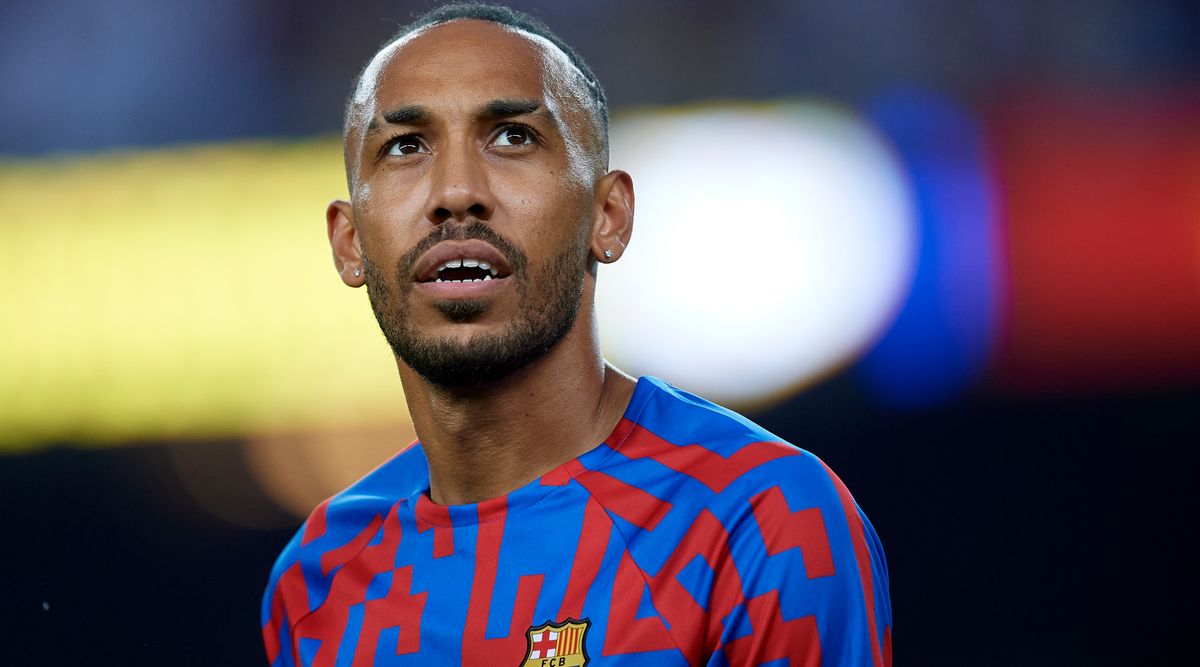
point(460, 188)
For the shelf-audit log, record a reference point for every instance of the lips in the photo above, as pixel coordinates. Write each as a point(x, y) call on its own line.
point(462, 262)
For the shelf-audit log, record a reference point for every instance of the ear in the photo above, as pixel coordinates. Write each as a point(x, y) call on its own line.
point(613, 223)
point(343, 239)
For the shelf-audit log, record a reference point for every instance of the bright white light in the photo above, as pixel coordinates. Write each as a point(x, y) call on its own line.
point(771, 245)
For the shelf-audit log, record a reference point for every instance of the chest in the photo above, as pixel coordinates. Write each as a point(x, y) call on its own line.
point(557, 589)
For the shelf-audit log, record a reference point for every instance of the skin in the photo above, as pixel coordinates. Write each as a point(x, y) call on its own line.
point(532, 178)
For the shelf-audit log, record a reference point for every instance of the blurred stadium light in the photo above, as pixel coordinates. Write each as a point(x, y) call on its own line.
point(943, 338)
point(773, 243)
point(185, 293)
point(1101, 193)
point(181, 294)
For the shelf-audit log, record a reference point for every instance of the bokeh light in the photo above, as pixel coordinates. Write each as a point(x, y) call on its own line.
point(772, 243)
point(944, 336)
point(181, 294)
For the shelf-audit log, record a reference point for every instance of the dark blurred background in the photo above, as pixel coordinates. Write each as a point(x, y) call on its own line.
point(1018, 419)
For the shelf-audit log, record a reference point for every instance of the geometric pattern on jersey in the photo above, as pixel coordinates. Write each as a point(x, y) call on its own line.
point(690, 536)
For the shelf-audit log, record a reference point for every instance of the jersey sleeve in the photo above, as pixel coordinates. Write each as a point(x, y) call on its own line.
point(277, 605)
point(814, 576)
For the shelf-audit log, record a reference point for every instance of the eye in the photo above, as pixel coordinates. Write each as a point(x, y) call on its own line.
point(407, 144)
point(513, 135)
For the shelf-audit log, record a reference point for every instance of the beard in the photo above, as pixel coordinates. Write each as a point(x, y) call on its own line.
point(541, 322)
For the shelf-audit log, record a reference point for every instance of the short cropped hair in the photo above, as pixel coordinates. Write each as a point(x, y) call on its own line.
point(505, 16)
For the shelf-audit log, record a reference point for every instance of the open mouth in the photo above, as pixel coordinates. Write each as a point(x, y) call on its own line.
point(463, 263)
point(465, 270)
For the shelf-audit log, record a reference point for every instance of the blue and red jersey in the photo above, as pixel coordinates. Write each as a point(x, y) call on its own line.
point(691, 536)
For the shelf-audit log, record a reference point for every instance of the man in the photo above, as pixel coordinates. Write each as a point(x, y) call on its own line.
point(554, 512)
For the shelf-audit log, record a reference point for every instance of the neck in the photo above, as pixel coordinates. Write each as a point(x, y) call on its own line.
point(484, 442)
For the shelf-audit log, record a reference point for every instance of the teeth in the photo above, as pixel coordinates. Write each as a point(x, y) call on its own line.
point(469, 263)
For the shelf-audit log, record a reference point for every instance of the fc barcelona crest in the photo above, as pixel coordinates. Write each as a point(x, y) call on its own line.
point(557, 644)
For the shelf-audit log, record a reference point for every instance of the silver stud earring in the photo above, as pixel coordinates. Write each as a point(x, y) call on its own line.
point(357, 272)
point(607, 254)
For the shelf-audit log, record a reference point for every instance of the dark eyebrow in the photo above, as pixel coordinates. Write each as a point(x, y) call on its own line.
point(409, 114)
point(514, 107)
point(415, 114)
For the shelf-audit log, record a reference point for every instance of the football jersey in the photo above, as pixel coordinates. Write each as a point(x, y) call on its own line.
point(690, 536)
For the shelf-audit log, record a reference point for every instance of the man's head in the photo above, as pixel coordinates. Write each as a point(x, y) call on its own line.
point(561, 58)
point(476, 154)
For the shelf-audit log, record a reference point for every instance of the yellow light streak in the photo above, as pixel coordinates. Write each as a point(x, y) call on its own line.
point(183, 293)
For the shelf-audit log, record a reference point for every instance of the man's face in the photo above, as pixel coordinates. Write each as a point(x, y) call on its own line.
point(472, 199)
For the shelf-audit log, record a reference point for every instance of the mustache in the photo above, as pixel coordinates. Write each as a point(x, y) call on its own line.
point(473, 230)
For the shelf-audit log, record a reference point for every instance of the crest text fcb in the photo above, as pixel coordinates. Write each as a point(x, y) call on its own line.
point(557, 644)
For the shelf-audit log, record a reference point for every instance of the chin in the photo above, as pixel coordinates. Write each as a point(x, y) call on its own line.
point(462, 311)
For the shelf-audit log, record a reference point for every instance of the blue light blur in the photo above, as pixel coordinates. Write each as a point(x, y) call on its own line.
point(940, 342)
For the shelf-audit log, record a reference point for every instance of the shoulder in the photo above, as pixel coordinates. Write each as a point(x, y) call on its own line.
point(680, 416)
point(333, 533)
point(771, 520)
point(740, 464)
point(680, 457)
point(724, 451)
point(344, 515)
